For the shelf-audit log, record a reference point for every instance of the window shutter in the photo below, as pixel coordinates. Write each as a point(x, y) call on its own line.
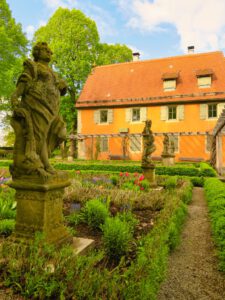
point(79, 124)
point(97, 116)
point(203, 111)
point(180, 112)
point(164, 113)
point(110, 115)
point(128, 114)
point(204, 81)
point(220, 108)
point(169, 85)
point(143, 114)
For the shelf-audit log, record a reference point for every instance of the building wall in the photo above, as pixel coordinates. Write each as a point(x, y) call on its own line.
point(189, 146)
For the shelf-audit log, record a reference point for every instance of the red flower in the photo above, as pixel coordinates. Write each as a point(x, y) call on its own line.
point(126, 174)
point(142, 177)
point(78, 172)
point(121, 173)
point(142, 188)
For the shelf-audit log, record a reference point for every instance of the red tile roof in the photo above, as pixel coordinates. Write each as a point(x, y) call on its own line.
point(140, 82)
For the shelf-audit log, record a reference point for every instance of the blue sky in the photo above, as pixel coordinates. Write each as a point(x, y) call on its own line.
point(155, 28)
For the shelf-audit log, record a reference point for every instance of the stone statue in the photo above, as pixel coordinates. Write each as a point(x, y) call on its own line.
point(148, 144)
point(166, 144)
point(35, 103)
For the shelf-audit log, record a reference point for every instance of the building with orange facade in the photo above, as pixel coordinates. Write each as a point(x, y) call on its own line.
point(182, 95)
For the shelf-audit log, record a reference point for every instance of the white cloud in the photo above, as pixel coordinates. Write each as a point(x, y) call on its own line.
point(30, 29)
point(199, 23)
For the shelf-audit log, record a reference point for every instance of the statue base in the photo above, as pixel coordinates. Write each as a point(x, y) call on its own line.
point(168, 160)
point(149, 173)
point(39, 209)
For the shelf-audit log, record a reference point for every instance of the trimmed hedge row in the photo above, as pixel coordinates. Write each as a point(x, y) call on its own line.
point(215, 196)
point(205, 169)
point(146, 274)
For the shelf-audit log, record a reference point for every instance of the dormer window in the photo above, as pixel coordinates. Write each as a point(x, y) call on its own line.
point(169, 81)
point(204, 78)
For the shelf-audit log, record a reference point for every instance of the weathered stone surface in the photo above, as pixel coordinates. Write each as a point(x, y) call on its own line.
point(82, 245)
point(148, 144)
point(38, 127)
point(39, 208)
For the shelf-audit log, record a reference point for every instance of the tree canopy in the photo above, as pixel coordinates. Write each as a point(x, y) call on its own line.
point(13, 46)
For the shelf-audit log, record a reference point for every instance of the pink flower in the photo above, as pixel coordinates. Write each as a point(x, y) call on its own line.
point(78, 172)
point(126, 174)
point(142, 188)
point(142, 177)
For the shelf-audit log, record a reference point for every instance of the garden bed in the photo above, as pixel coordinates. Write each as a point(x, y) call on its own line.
point(134, 227)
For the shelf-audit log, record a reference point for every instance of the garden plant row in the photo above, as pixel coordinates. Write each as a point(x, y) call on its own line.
point(47, 273)
point(215, 194)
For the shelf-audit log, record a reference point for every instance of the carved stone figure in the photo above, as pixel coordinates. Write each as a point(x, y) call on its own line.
point(172, 147)
point(148, 144)
point(36, 121)
point(166, 144)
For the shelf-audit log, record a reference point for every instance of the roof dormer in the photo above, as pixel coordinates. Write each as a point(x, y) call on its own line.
point(169, 81)
point(204, 78)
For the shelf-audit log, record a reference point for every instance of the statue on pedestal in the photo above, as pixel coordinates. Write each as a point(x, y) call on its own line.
point(166, 144)
point(148, 144)
point(38, 127)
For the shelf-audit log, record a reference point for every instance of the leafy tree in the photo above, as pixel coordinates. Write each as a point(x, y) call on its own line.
point(111, 54)
point(73, 38)
point(13, 46)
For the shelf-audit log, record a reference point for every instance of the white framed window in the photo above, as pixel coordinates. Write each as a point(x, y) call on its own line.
point(103, 116)
point(208, 142)
point(135, 143)
point(204, 81)
point(169, 85)
point(104, 144)
point(211, 111)
point(172, 113)
point(136, 114)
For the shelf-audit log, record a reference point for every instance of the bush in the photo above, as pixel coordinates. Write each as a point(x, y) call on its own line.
point(7, 226)
point(215, 195)
point(171, 182)
point(114, 179)
point(206, 170)
point(7, 204)
point(129, 218)
point(95, 213)
point(116, 237)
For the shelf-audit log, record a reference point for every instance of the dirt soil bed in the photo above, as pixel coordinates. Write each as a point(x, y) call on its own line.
point(192, 272)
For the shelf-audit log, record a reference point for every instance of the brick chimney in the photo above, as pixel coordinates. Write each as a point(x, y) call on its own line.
point(191, 49)
point(136, 56)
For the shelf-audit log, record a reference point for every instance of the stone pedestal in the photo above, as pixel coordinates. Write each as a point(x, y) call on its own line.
point(39, 208)
point(168, 160)
point(149, 173)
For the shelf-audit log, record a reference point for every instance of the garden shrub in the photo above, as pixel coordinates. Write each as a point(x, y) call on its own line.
point(171, 182)
point(95, 213)
point(7, 226)
point(116, 237)
point(48, 273)
point(215, 194)
point(129, 218)
point(206, 170)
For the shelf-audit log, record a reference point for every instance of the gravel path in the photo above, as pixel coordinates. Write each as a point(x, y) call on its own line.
point(192, 271)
